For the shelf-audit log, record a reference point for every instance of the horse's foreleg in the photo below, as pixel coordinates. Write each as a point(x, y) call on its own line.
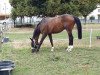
point(70, 47)
point(51, 41)
point(41, 41)
point(36, 39)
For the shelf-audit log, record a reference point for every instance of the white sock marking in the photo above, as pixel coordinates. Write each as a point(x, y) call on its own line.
point(52, 49)
point(69, 48)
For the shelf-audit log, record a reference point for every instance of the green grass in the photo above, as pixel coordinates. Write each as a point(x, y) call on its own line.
point(81, 61)
point(19, 36)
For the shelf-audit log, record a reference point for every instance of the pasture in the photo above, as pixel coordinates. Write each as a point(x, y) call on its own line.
point(81, 61)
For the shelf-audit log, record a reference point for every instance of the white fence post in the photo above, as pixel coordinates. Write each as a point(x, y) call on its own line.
point(90, 38)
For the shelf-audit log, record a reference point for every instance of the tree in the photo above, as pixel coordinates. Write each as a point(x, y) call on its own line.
point(14, 3)
point(22, 8)
point(86, 6)
point(69, 8)
point(14, 15)
point(53, 7)
point(43, 7)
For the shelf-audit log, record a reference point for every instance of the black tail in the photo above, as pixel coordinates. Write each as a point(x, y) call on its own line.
point(79, 27)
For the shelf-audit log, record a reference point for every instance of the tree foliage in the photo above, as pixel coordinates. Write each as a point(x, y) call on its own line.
point(87, 6)
point(52, 7)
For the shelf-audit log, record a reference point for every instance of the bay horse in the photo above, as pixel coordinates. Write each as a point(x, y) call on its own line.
point(52, 25)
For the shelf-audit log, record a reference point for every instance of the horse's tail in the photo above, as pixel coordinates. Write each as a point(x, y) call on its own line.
point(79, 27)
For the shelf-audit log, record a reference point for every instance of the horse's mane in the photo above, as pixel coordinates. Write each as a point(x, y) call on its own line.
point(36, 30)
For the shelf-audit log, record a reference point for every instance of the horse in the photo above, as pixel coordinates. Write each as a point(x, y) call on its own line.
point(52, 25)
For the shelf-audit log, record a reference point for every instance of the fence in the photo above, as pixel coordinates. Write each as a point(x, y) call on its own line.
point(91, 21)
point(89, 39)
point(35, 22)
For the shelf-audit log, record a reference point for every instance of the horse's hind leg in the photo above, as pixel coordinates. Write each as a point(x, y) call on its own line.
point(51, 41)
point(70, 47)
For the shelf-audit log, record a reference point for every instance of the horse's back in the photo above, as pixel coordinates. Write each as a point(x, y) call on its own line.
point(52, 25)
point(55, 24)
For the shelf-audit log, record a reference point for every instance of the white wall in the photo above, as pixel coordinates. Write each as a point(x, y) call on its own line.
point(5, 7)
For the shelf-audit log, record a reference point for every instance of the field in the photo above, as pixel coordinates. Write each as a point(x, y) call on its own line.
point(81, 61)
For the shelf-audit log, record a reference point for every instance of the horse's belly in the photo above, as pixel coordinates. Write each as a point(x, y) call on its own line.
point(56, 29)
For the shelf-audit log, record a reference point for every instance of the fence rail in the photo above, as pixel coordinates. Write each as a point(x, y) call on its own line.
point(91, 21)
point(89, 37)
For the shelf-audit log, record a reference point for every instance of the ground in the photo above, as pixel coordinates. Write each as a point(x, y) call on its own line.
point(81, 61)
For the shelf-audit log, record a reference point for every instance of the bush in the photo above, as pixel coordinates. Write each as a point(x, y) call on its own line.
point(92, 18)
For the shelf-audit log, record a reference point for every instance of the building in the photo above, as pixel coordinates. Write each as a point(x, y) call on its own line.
point(95, 13)
point(5, 9)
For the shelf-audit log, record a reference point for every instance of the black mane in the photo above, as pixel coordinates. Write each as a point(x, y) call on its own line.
point(36, 31)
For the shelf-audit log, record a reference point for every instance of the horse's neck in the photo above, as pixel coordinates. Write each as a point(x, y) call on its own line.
point(36, 33)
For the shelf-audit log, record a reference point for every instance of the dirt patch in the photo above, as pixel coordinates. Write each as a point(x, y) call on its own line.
point(27, 43)
point(57, 43)
point(20, 44)
point(21, 30)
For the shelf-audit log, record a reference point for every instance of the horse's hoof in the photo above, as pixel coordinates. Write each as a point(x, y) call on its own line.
point(52, 49)
point(69, 49)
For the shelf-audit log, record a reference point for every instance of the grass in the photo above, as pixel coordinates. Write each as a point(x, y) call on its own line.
point(81, 61)
point(19, 36)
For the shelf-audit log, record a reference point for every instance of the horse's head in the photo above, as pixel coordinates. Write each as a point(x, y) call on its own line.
point(33, 45)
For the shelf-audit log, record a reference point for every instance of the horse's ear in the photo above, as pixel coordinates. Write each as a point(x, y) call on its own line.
point(31, 39)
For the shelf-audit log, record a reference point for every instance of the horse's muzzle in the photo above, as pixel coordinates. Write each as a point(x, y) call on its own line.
point(33, 49)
